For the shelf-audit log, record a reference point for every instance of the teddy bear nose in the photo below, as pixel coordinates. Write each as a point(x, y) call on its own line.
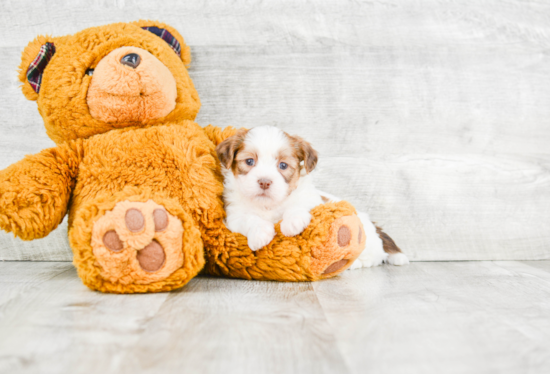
point(131, 59)
point(264, 183)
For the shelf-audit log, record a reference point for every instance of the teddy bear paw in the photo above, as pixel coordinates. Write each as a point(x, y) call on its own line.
point(345, 243)
point(138, 242)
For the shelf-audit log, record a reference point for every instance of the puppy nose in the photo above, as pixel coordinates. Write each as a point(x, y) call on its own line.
point(264, 183)
point(131, 59)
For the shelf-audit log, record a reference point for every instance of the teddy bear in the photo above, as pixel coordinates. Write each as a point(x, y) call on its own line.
point(139, 179)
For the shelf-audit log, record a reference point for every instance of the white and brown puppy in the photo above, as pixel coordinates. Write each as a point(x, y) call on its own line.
point(267, 179)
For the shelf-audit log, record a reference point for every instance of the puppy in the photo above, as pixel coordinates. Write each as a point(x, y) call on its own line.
point(267, 179)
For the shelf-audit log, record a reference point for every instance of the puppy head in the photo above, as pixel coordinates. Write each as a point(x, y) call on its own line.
point(265, 163)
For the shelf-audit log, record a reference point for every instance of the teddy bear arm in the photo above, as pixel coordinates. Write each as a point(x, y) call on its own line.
point(35, 192)
point(330, 244)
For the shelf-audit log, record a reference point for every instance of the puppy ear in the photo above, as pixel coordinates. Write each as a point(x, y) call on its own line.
point(305, 153)
point(227, 149)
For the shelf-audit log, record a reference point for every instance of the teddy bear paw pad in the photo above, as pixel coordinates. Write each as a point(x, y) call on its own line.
point(138, 242)
point(346, 241)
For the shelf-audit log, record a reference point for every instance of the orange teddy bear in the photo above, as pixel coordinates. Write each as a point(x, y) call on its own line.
point(139, 179)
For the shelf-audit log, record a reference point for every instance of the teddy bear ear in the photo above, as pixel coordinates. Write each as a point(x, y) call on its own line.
point(34, 60)
point(171, 36)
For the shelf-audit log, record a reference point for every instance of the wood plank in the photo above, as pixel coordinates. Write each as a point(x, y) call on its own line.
point(14, 273)
point(61, 326)
point(17, 278)
point(211, 326)
point(464, 317)
point(54, 247)
point(233, 326)
point(544, 265)
point(434, 113)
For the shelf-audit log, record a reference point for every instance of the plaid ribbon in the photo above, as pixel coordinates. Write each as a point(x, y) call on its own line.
point(36, 68)
point(166, 36)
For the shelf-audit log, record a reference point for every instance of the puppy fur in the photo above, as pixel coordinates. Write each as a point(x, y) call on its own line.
point(267, 179)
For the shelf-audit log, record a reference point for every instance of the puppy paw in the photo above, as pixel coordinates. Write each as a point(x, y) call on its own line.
point(373, 255)
point(261, 235)
point(365, 263)
point(397, 259)
point(295, 223)
point(357, 264)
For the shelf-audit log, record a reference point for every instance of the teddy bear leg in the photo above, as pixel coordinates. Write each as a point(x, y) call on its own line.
point(346, 240)
point(141, 238)
point(330, 244)
point(139, 245)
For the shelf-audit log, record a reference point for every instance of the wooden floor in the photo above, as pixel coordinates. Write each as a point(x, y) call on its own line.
point(431, 317)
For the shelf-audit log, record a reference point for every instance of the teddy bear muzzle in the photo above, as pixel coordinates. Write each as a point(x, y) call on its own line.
point(131, 85)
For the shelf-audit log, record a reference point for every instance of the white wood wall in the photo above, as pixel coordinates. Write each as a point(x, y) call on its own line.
point(434, 116)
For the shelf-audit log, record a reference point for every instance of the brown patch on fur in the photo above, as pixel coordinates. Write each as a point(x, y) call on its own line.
point(228, 149)
point(299, 151)
point(233, 154)
point(387, 242)
point(304, 152)
point(292, 173)
point(293, 182)
point(239, 165)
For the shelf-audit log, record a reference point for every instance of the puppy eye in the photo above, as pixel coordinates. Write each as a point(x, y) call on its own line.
point(90, 72)
point(283, 166)
point(250, 161)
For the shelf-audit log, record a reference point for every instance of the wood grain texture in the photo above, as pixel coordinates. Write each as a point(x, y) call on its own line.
point(464, 317)
point(214, 326)
point(461, 317)
point(434, 113)
point(60, 326)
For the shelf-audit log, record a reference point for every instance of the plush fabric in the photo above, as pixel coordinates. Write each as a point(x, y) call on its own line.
point(121, 94)
point(64, 88)
point(36, 68)
point(139, 179)
point(167, 37)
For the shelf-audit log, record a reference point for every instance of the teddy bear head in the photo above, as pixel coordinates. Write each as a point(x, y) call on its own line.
point(109, 77)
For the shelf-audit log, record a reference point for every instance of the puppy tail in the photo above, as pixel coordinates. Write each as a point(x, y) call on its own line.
point(395, 255)
point(387, 243)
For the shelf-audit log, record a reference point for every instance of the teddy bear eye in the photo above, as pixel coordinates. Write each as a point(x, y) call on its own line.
point(90, 72)
point(283, 165)
point(250, 161)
